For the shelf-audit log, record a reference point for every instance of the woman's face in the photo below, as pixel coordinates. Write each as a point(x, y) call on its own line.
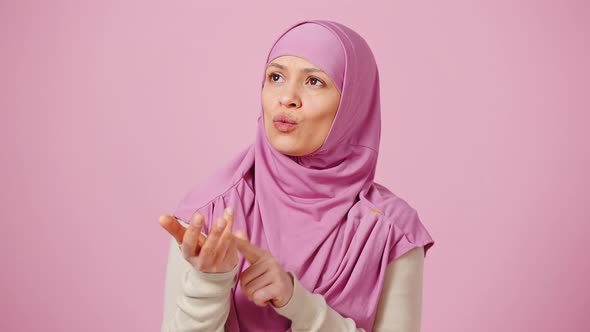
point(299, 102)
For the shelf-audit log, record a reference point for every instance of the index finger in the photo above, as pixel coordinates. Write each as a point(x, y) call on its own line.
point(250, 251)
point(175, 227)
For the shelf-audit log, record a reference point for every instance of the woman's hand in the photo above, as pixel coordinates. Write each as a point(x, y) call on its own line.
point(265, 279)
point(215, 253)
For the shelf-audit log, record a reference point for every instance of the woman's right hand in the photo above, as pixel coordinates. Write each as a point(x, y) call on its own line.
point(216, 253)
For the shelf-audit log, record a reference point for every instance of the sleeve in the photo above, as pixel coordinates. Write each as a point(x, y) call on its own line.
point(194, 300)
point(407, 233)
point(399, 310)
point(310, 312)
point(400, 304)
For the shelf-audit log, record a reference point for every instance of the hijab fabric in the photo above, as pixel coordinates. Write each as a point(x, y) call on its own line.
point(322, 215)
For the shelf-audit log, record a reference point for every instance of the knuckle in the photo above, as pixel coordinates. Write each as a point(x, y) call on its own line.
point(209, 251)
point(258, 298)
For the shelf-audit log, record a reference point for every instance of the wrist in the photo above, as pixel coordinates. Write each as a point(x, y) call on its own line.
point(291, 291)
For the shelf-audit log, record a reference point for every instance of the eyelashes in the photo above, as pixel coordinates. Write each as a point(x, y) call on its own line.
point(271, 76)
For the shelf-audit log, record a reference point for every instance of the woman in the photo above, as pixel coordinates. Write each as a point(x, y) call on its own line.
point(323, 246)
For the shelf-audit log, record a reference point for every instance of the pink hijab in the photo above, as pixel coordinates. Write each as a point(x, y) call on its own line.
point(321, 215)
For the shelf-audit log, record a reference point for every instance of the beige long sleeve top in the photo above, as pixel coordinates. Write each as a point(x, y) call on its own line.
point(199, 301)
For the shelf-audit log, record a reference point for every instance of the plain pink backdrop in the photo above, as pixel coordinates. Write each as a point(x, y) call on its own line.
point(485, 116)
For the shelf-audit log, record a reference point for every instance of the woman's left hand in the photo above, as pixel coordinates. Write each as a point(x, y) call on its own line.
point(265, 279)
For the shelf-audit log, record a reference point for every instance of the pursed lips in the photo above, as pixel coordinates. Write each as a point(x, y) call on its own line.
point(284, 118)
point(284, 123)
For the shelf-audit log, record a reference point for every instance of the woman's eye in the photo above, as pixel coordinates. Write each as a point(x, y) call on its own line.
point(273, 76)
point(313, 79)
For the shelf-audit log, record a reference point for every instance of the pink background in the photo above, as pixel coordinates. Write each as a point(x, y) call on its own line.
point(111, 111)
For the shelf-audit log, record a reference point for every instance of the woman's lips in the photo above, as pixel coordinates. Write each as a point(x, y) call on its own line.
point(284, 123)
point(284, 127)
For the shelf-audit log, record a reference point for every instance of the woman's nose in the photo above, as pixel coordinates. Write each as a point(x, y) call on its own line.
point(290, 97)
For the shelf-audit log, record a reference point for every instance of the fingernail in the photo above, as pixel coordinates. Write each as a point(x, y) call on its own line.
point(230, 211)
point(221, 224)
point(198, 221)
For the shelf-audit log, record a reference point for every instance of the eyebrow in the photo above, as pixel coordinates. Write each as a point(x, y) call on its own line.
point(305, 70)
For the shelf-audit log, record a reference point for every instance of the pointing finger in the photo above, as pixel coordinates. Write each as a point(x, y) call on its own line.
point(250, 251)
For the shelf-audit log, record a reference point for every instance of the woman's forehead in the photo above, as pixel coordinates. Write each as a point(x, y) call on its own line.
point(289, 61)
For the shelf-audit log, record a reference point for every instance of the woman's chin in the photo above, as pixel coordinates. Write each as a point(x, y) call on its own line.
point(286, 146)
point(287, 151)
